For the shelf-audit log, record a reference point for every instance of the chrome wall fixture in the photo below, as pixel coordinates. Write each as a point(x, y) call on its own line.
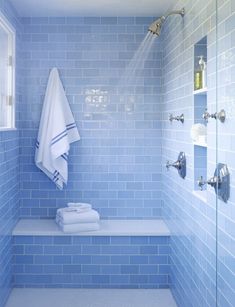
point(213, 181)
point(180, 164)
point(220, 115)
point(178, 118)
point(156, 26)
point(220, 182)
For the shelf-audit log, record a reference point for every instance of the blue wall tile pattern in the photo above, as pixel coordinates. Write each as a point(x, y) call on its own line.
point(91, 262)
point(126, 138)
point(9, 206)
point(190, 220)
point(9, 173)
point(226, 152)
point(116, 165)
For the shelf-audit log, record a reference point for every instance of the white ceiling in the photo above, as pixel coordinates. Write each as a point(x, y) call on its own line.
point(38, 8)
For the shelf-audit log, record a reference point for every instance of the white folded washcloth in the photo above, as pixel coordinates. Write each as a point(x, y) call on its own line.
point(72, 216)
point(81, 206)
point(76, 228)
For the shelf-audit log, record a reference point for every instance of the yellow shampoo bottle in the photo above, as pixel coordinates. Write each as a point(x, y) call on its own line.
point(197, 80)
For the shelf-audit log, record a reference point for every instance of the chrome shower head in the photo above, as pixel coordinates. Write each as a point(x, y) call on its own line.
point(156, 26)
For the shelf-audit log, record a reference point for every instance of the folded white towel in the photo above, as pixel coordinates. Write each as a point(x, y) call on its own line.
point(73, 216)
point(81, 206)
point(60, 211)
point(57, 131)
point(76, 228)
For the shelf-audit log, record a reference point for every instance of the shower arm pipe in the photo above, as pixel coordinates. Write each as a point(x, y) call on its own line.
point(179, 12)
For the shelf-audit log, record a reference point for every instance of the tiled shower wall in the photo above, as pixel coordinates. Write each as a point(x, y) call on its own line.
point(9, 176)
point(192, 222)
point(226, 152)
point(116, 165)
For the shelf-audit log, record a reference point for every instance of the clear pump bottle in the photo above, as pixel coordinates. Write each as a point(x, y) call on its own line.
point(203, 68)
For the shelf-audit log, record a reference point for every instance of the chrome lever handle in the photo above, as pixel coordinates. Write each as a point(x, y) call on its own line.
point(180, 165)
point(201, 183)
point(213, 182)
point(220, 182)
point(176, 165)
point(220, 115)
point(177, 118)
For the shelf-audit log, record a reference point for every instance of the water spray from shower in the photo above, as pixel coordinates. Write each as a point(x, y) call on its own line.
point(156, 26)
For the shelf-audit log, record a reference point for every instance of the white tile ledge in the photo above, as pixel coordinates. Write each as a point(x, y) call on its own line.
point(45, 227)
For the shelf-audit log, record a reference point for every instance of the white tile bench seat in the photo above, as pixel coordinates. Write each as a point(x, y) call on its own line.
point(47, 227)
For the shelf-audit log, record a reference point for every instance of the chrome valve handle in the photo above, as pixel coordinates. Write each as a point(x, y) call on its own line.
point(180, 165)
point(178, 118)
point(213, 182)
point(220, 182)
point(220, 115)
point(174, 164)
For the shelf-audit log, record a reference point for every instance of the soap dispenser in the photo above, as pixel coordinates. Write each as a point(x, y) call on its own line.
point(203, 68)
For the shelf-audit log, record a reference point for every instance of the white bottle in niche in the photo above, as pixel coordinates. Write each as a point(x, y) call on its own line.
point(203, 67)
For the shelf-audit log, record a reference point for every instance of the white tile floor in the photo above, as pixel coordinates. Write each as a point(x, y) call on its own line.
point(90, 298)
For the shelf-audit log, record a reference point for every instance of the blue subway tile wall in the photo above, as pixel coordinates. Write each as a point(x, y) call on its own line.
point(91, 262)
point(192, 220)
point(116, 165)
point(226, 154)
point(9, 173)
point(9, 206)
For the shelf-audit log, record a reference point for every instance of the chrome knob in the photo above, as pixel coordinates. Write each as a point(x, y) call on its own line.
point(220, 115)
point(180, 164)
point(220, 182)
point(176, 165)
point(178, 118)
point(206, 115)
point(213, 182)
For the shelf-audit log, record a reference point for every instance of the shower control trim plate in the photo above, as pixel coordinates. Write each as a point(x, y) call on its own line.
point(220, 182)
point(180, 165)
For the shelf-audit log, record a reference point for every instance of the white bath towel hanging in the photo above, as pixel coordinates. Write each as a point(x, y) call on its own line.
point(57, 131)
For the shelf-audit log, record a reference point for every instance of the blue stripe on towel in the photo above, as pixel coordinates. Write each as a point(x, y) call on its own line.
point(71, 127)
point(58, 139)
point(59, 135)
point(71, 124)
point(65, 156)
point(62, 134)
point(68, 127)
point(56, 176)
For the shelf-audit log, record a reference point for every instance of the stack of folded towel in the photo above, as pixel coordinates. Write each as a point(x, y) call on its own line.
point(77, 217)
